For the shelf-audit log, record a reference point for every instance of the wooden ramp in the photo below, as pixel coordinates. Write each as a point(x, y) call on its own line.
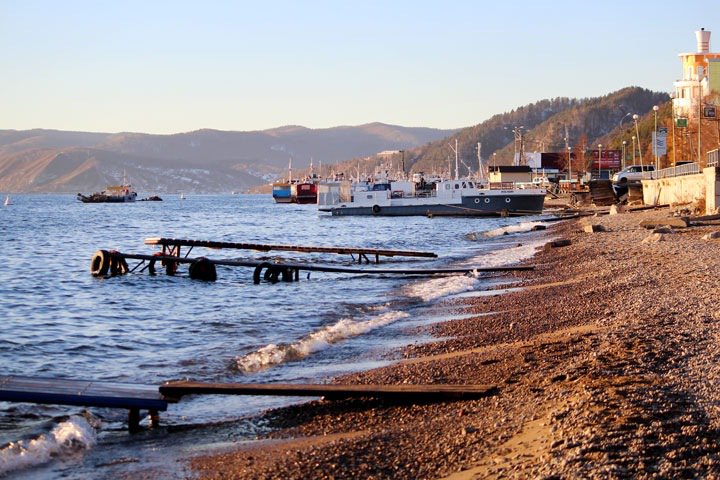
point(85, 393)
point(173, 246)
point(404, 392)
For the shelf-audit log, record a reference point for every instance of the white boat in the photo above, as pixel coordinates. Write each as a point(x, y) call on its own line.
point(460, 197)
point(182, 196)
point(7, 201)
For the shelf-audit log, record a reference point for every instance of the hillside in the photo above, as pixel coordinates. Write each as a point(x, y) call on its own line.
point(209, 161)
point(544, 123)
point(200, 161)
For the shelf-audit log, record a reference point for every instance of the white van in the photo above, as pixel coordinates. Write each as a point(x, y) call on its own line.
point(633, 173)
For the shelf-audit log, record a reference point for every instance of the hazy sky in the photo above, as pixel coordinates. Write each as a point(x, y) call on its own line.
point(176, 66)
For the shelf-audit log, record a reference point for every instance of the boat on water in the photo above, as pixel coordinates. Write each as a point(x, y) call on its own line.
point(438, 197)
point(7, 201)
point(112, 194)
point(282, 192)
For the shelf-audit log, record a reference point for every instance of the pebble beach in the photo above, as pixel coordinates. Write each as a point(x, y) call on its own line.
point(605, 358)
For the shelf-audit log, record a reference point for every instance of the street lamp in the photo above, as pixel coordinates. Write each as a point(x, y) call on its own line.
point(633, 139)
point(599, 158)
point(655, 145)
point(637, 133)
point(569, 149)
point(624, 144)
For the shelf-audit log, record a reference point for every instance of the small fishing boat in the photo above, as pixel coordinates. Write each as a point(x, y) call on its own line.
point(459, 197)
point(112, 194)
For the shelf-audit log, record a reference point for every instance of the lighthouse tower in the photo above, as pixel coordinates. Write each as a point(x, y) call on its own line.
point(701, 75)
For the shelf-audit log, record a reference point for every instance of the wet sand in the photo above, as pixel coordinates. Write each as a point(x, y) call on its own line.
point(607, 364)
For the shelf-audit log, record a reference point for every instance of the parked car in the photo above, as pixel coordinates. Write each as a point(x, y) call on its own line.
point(633, 173)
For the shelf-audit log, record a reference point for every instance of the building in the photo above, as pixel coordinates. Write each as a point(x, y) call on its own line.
point(701, 76)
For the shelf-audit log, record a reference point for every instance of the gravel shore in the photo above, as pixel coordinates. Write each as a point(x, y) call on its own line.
point(606, 364)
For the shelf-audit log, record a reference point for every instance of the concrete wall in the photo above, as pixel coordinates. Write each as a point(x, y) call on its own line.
point(712, 190)
point(685, 189)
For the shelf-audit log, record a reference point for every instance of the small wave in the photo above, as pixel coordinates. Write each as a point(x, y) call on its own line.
point(68, 437)
point(435, 288)
point(506, 256)
point(274, 354)
point(497, 232)
point(430, 290)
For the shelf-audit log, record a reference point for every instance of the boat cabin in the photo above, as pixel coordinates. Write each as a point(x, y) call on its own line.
point(510, 174)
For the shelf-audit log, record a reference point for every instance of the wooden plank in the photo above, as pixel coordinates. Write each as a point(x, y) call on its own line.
point(294, 248)
point(86, 393)
point(402, 392)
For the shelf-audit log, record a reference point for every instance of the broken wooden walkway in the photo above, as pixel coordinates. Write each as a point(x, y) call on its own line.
point(171, 246)
point(405, 392)
point(86, 393)
point(134, 397)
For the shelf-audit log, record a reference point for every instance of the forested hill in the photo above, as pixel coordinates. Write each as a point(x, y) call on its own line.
point(543, 125)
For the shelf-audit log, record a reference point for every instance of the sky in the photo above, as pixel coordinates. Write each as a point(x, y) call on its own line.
point(157, 66)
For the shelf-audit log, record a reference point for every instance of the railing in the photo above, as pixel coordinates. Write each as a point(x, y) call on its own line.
point(712, 158)
point(501, 185)
point(679, 171)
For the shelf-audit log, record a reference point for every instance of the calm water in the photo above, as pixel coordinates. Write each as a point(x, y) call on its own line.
point(59, 321)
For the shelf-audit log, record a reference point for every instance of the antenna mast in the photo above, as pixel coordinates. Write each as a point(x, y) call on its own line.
point(456, 157)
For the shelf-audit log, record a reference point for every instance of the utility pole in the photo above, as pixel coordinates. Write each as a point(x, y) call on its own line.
point(567, 148)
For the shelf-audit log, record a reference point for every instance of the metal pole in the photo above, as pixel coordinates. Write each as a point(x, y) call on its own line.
point(699, 151)
point(655, 146)
point(673, 135)
point(637, 133)
point(624, 144)
point(599, 159)
point(633, 154)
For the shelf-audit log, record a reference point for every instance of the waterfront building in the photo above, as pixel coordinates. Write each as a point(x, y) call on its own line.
point(701, 76)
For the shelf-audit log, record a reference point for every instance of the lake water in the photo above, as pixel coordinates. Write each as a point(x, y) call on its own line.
point(59, 321)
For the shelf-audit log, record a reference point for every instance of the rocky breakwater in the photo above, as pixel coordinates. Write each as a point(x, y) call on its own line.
point(606, 362)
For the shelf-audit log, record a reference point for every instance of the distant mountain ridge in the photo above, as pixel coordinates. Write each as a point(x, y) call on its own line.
point(213, 161)
point(201, 161)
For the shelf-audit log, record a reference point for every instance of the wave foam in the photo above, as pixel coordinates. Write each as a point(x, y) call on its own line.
point(274, 354)
point(517, 228)
point(66, 438)
point(435, 288)
point(506, 256)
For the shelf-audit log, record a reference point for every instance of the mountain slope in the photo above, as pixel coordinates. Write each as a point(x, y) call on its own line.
point(202, 161)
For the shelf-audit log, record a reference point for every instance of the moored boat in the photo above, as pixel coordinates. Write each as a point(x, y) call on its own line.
point(282, 192)
point(112, 194)
point(461, 197)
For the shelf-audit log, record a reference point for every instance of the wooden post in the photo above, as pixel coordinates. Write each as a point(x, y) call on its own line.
point(134, 420)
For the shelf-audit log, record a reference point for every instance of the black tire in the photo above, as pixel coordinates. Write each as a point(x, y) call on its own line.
point(623, 180)
point(376, 209)
point(203, 269)
point(100, 263)
point(258, 271)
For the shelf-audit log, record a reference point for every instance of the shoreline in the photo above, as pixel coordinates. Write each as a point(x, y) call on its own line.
point(606, 361)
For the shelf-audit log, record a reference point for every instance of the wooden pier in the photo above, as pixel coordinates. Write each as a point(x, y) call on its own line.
point(112, 262)
point(405, 392)
point(133, 397)
point(86, 393)
point(171, 246)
